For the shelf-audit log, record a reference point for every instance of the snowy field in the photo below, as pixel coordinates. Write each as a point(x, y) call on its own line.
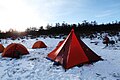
point(35, 66)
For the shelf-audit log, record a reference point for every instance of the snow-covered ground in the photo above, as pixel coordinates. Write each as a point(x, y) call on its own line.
point(35, 66)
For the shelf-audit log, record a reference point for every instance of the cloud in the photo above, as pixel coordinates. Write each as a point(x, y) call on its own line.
point(105, 14)
point(18, 15)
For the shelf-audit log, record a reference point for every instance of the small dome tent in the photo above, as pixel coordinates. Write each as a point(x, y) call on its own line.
point(14, 50)
point(1, 48)
point(39, 44)
point(60, 43)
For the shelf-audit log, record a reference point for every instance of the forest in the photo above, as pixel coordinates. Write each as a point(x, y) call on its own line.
point(84, 28)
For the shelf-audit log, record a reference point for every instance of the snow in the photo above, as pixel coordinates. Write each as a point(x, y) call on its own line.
point(35, 66)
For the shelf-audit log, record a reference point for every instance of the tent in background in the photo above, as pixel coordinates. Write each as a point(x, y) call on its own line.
point(39, 44)
point(72, 52)
point(14, 50)
point(60, 43)
point(1, 48)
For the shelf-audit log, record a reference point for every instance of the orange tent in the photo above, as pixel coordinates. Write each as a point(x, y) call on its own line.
point(59, 44)
point(72, 52)
point(1, 48)
point(39, 44)
point(14, 50)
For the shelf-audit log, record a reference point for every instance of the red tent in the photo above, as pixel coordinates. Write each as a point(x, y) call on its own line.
point(72, 52)
point(14, 50)
point(60, 43)
point(39, 44)
point(1, 48)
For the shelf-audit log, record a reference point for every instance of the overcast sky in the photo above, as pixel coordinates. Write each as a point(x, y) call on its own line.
point(20, 14)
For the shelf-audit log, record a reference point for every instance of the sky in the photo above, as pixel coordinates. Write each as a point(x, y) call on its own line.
point(21, 14)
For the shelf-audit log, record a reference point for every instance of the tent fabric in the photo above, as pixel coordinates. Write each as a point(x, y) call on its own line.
point(14, 50)
point(39, 44)
point(72, 52)
point(59, 44)
point(1, 48)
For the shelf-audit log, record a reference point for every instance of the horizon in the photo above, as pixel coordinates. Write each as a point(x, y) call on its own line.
point(37, 13)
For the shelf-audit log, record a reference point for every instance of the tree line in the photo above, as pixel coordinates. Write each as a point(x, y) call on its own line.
point(64, 28)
